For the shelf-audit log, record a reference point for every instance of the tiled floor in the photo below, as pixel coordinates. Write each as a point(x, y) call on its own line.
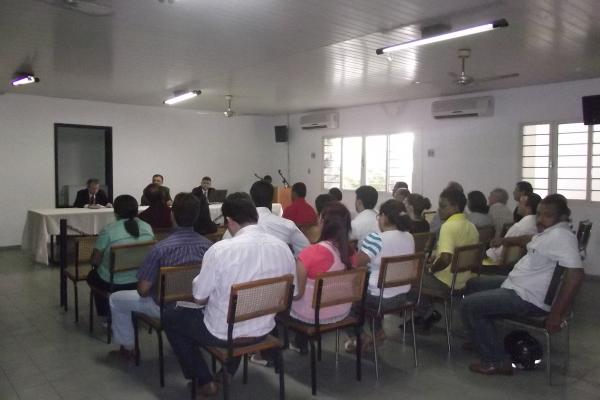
point(45, 355)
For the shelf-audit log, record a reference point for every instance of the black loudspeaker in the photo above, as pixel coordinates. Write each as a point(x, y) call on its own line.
point(281, 133)
point(591, 109)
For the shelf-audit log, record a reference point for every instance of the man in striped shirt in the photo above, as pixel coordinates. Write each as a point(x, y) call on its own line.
point(182, 247)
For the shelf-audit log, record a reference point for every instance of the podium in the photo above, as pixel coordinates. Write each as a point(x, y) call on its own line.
point(283, 196)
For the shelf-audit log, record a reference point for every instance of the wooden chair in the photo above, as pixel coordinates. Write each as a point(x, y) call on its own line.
point(218, 235)
point(173, 284)
point(486, 234)
point(424, 242)
point(511, 254)
point(123, 257)
point(584, 231)
point(334, 288)
point(538, 324)
point(395, 272)
point(161, 233)
point(428, 216)
point(84, 245)
point(505, 228)
point(464, 259)
point(249, 301)
point(311, 231)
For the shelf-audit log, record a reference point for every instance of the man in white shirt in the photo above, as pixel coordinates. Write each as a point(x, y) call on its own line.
point(500, 213)
point(527, 226)
point(365, 221)
point(524, 291)
point(283, 229)
point(250, 255)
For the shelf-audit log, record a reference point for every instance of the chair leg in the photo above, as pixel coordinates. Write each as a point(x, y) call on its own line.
point(319, 347)
point(447, 321)
point(161, 358)
point(194, 384)
point(136, 338)
point(76, 298)
point(108, 327)
point(358, 353)
point(214, 364)
point(404, 325)
point(245, 376)
point(313, 366)
point(412, 319)
point(375, 349)
point(225, 380)
point(549, 358)
point(337, 346)
point(281, 374)
point(91, 312)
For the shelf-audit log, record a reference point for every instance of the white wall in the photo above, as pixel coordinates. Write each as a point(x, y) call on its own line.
point(481, 153)
point(180, 144)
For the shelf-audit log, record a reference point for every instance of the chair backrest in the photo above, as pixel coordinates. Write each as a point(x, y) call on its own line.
point(423, 242)
point(339, 287)
point(401, 270)
point(511, 254)
point(486, 234)
point(84, 245)
point(311, 231)
point(428, 216)
point(583, 236)
point(505, 228)
point(216, 236)
point(161, 233)
point(126, 257)
point(467, 258)
point(259, 298)
point(175, 283)
point(554, 285)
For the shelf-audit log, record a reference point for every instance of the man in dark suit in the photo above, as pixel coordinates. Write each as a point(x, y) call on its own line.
point(91, 195)
point(204, 189)
point(166, 193)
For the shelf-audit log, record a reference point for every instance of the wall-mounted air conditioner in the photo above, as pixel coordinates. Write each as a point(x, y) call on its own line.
point(320, 120)
point(465, 107)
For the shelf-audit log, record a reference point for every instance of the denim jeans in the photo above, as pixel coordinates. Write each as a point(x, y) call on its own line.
point(487, 303)
point(187, 332)
point(122, 303)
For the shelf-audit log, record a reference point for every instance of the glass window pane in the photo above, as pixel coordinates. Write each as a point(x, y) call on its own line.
point(573, 138)
point(573, 149)
point(535, 161)
point(352, 161)
point(595, 172)
point(541, 193)
point(332, 162)
point(576, 127)
point(597, 136)
point(595, 161)
point(595, 184)
point(400, 163)
point(536, 140)
point(539, 183)
point(572, 161)
point(542, 129)
point(540, 151)
point(596, 148)
point(573, 194)
point(563, 173)
point(571, 184)
point(375, 161)
point(534, 173)
point(595, 196)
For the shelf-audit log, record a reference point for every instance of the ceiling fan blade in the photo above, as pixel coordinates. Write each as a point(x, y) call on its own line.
point(498, 77)
point(90, 8)
point(453, 75)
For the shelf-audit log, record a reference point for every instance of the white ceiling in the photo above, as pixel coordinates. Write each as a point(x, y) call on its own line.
point(283, 56)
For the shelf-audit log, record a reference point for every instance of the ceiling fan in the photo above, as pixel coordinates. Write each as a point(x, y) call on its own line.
point(87, 7)
point(462, 79)
point(229, 112)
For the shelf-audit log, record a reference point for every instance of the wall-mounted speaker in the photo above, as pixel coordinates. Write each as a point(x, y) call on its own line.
point(591, 109)
point(281, 133)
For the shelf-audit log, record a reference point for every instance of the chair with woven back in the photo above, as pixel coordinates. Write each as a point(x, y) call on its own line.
point(486, 234)
point(511, 254)
point(218, 235)
point(84, 245)
point(505, 228)
point(464, 260)
point(173, 284)
point(248, 301)
point(311, 231)
point(161, 233)
point(396, 272)
point(424, 242)
point(334, 288)
point(123, 258)
point(584, 231)
point(428, 216)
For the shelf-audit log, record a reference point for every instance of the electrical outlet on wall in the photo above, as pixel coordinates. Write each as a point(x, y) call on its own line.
point(430, 153)
point(308, 171)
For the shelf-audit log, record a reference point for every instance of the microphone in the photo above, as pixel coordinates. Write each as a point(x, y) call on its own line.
point(285, 182)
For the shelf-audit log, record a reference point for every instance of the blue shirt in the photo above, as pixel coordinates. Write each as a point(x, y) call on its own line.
point(183, 246)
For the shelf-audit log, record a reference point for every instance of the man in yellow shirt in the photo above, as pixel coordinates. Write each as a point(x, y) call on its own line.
point(456, 231)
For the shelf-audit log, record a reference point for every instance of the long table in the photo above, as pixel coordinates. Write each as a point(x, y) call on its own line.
point(41, 224)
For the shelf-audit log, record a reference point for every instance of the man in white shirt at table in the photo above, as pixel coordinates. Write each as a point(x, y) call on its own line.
point(250, 255)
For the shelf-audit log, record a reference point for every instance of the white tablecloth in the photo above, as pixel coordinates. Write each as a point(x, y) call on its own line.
point(42, 223)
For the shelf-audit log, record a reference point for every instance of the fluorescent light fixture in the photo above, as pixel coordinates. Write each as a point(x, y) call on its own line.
point(182, 97)
point(501, 23)
point(24, 80)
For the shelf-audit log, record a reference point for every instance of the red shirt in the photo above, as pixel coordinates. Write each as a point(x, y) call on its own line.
point(300, 212)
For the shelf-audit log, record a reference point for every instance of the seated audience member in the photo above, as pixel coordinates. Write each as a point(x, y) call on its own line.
point(336, 193)
point(399, 185)
point(523, 292)
point(436, 222)
point(500, 213)
point(268, 179)
point(92, 195)
point(527, 226)
point(158, 179)
point(394, 240)
point(158, 213)
point(365, 221)
point(401, 194)
point(283, 229)
point(478, 209)
point(331, 253)
point(522, 188)
point(204, 189)
point(182, 247)
point(204, 223)
point(456, 231)
point(237, 260)
point(126, 229)
point(300, 211)
point(322, 200)
point(415, 205)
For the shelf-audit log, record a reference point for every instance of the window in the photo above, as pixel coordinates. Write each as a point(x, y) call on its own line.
point(562, 158)
point(379, 161)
